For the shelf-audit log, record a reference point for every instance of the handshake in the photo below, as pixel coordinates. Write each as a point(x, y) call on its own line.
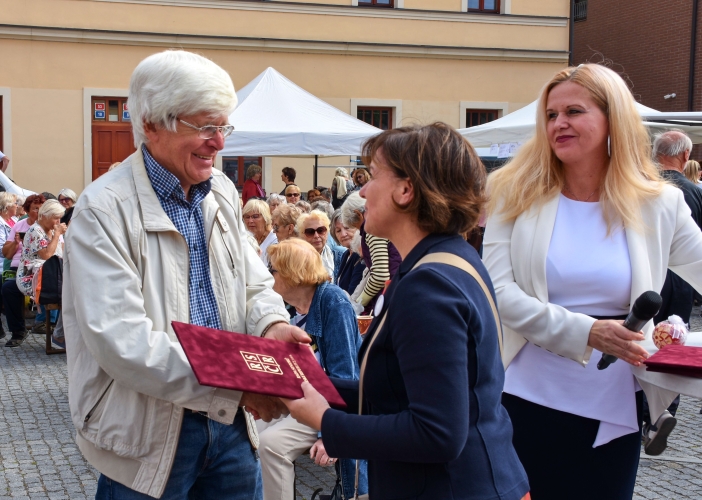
point(263, 407)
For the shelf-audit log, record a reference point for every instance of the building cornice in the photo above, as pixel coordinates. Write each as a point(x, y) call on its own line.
point(166, 40)
point(343, 10)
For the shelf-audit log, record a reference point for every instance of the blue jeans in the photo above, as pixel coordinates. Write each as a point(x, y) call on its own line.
point(213, 460)
point(41, 316)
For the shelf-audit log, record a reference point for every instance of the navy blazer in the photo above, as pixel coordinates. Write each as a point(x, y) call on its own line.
point(433, 426)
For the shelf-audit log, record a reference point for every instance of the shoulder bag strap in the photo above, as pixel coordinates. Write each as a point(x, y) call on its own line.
point(432, 258)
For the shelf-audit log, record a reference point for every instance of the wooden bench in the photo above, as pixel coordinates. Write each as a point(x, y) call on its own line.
point(50, 349)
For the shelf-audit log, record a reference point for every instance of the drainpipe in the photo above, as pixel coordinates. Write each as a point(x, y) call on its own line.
point(570, 31)
point(693, 46)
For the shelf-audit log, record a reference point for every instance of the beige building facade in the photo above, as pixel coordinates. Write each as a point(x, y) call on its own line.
point(64, 61)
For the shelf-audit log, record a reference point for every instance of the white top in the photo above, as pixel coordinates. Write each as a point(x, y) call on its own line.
point(271, 239)
point(328, 260)
point(588, 272)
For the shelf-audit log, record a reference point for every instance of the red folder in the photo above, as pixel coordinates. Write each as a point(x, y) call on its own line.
point(677, 360)
point(252, 364)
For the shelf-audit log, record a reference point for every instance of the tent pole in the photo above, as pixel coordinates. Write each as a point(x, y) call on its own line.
point(314, 177)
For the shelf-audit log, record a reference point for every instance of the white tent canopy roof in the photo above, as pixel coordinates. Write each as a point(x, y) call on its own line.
point(519, 126)
point(275, 117)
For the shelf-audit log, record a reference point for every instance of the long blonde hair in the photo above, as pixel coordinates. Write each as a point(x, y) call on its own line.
point(535, 174)
point(692, 171)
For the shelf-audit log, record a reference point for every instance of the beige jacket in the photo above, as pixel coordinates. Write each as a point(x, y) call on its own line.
point(515, 256)
point(125, 279)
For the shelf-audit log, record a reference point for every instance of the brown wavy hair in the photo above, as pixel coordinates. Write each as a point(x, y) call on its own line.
point(448, 179)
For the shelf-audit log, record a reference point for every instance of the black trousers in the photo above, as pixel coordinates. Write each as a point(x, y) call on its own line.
point(13, 303)
point(556, 451)
point(678, 296)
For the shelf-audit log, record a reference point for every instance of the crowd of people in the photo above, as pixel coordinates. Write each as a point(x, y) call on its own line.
point(476, 378)
point(31, 231)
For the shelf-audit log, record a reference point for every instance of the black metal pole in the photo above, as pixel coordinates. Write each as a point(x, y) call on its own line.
point(693, 47)
point(314, 177)
point(571, 32)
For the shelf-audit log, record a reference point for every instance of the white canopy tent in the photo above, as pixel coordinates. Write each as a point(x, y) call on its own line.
point(275, 117)
point(518, 127)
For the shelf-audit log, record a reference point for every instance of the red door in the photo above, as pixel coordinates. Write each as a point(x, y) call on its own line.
point(112, 133)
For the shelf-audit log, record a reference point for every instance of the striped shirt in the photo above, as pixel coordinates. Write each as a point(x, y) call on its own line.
point(379, 271)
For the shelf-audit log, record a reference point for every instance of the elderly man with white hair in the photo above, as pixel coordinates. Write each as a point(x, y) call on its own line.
point(161, 239)
point(671, 150)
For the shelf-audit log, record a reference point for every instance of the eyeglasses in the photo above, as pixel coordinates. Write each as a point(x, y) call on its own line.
point(320, 231)
point(271, 270)
point(292, 195)
point(252, 217)
point(64, 200)
point(209, 131)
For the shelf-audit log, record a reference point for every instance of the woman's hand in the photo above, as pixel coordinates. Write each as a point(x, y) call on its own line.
point(59, 229)
point(310, 409)
point(610, 337)
point(319, 453)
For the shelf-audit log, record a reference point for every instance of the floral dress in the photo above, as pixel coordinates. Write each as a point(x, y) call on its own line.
point(35, 239)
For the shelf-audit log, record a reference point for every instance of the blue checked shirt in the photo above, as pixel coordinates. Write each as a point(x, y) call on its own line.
point(187, 218)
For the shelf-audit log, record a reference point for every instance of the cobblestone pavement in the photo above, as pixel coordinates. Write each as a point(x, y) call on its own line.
point(39, 459)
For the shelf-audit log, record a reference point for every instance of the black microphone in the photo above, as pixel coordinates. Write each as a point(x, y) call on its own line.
point(645, 308)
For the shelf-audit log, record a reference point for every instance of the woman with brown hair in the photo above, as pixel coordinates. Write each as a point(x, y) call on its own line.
point(431, 422)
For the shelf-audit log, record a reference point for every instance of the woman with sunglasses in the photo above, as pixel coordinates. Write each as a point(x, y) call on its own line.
point(314, 228)
point(292, 194)
point(67, 198)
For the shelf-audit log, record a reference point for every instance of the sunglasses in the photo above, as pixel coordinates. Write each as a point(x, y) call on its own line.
point(271, 270)
point(292, 195)
point(252, 217)
point(320, 231)
point(62, 200)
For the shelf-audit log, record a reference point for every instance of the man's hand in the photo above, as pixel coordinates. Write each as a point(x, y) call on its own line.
point(287, 333)
point(4, 163)
point(263, 407)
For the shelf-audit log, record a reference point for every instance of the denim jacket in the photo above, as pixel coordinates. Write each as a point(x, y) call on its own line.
point(331, 321)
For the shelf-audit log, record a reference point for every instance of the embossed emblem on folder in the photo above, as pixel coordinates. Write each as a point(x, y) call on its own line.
point(261, 363)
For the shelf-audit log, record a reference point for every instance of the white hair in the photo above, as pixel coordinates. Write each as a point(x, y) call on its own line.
point(671, 143)
point(355, 245)
point(51, 208)
point(323, 206)
point(353, 203)
point(276, 196)
point(68, 193)
point(6, 200)
point(177, 83)
point(341, 172)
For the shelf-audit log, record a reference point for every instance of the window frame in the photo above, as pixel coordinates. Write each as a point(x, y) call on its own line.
point(482, 9)
point(373, 3)
point(241, 171)
point(469, 111)
point(389, 109)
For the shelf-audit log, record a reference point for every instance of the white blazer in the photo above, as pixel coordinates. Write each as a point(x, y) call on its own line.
point(515, 256)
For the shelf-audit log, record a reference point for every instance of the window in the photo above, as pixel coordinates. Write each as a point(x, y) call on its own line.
point(235, 168)
point(376, 116)
point(491, 6)
point(580, 10)
point(376, 3)
point(479, 116)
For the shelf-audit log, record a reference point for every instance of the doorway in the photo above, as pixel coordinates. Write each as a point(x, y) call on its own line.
point(112, 138)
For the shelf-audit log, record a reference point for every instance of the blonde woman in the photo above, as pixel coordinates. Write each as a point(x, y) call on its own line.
point(8, 210)
point(257, 219)
point(303, 282)
point(285, 221)
point(314, 228)
point(692, 172)
point(580, 225)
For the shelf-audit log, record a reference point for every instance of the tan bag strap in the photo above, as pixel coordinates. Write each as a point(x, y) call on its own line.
point(433, 258)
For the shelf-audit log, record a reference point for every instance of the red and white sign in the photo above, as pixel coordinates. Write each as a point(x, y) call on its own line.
point(99, 106)
point(124, 107)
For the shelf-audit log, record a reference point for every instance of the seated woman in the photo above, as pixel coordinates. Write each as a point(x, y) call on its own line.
point(351, 267)
point(257, 219)
point(300, 278)
point(314, 228)
point(285, 222)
